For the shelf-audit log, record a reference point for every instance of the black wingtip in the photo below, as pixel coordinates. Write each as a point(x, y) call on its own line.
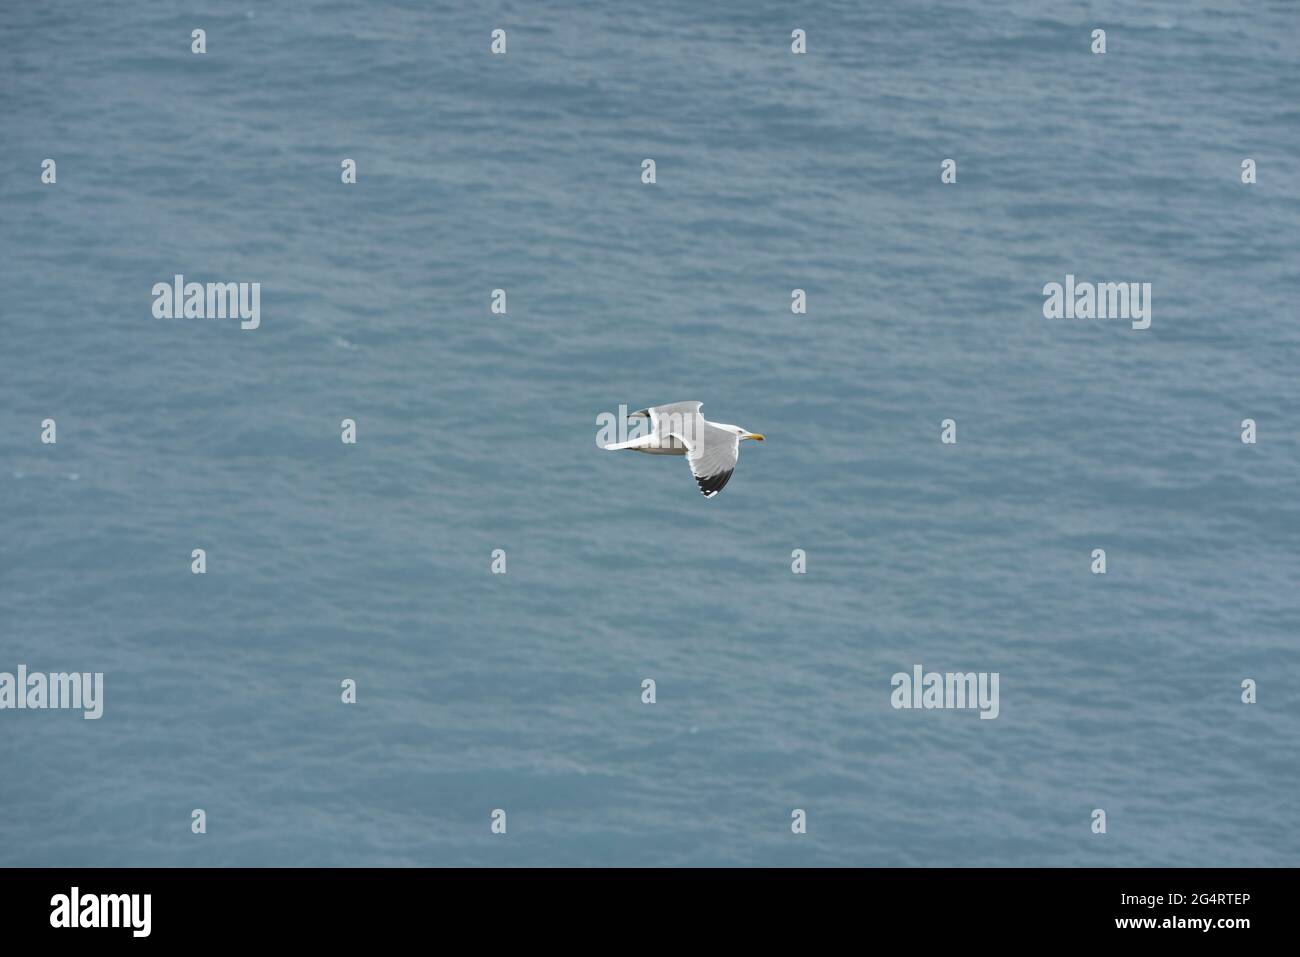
point(711, 485)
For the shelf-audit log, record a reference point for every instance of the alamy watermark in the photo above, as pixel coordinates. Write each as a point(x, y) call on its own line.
point(76, 909)
point(179, 299)
point(1103, 300)
point(953, 689)
point(38, 690)
point(614, 428)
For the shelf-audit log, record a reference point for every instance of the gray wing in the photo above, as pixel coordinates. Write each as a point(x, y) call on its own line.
point(712, 456)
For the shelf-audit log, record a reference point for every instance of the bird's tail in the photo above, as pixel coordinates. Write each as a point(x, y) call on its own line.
point(640, 443)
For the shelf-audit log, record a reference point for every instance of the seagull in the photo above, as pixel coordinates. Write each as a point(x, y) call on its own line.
point(711, 448)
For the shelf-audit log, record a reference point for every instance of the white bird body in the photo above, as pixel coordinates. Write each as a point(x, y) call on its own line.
point(711, 448)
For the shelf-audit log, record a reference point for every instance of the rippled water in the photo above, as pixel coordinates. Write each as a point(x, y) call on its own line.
point(476, 432)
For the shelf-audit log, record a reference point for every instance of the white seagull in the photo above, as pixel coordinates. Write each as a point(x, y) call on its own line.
point(711, 448)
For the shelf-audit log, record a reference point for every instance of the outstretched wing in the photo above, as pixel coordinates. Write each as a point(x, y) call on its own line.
point(665, 419)
point(712, 456)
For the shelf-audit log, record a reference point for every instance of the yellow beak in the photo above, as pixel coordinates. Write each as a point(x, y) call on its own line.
point(756, 437)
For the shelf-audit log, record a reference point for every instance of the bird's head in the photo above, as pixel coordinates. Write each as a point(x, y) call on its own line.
point(745, 433)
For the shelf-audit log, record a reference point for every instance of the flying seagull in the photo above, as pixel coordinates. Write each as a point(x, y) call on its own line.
point(711, 448)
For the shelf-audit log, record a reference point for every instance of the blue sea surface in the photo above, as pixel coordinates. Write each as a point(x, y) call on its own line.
point(476, 431)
